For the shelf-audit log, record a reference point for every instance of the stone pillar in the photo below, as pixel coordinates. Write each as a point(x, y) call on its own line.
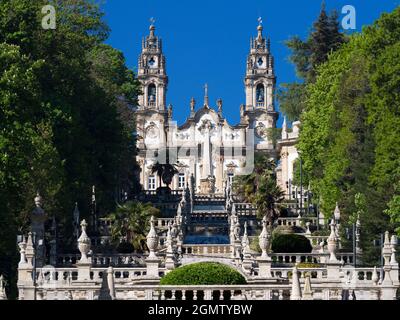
point(333, 264)
point(388, 289)
point(169, 261)
point(295, 294)
point(110, 282)
point(307, 291)
point(152, 261)
point(26, 290)
point(247, 260)
point(207, 154)
point(394, 272)
point(85, 263)
point(264, 261)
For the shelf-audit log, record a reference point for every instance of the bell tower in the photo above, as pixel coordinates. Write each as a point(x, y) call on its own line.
point(152, 73)
point(260, 76)
point(259, 111)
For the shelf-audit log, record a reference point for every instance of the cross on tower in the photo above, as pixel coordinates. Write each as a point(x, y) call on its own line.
point(152, 20)
point(260, 20)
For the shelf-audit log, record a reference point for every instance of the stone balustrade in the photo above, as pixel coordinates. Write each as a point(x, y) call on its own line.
point(245, 209)
point(293, 258)
point(316, 240)
point(104, 259)
point(219, 293)
point(360, 276)
point(122, 275)
point(206, 249)
point(285, 273)
point(162, 223)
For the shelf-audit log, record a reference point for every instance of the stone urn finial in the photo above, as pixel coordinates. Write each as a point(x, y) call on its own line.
point(264, 239)
point(84, 243)
point(22, 250)
point(152, 239)
point(332, 242)
point(308, 231)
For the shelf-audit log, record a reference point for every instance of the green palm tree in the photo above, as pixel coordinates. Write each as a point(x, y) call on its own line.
point(165, 171)
point(260, 188)
point(131, 221)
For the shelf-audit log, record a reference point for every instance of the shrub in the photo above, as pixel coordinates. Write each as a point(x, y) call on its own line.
point(203, 273)
point(291, 243)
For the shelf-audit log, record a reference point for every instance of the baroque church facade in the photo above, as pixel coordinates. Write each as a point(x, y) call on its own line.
point(207, 150)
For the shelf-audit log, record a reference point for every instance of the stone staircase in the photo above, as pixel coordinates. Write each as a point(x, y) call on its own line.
point(208, 222)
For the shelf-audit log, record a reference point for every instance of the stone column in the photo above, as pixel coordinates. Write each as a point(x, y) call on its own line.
point(333, 265)
point(264, 261)
point(169, 261)
point(295, 294)
point(307, 291)
point(110, 282)
point(247, 260)
point(207, 154)
point(388, 287)
point(26, 289)
point(85, 263)
point(152, 261)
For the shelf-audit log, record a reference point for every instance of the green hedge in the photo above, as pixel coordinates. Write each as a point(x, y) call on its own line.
point(291, 243)
point(203, 273)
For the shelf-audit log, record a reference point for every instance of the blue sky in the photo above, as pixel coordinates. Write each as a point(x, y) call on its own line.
point(207, 41)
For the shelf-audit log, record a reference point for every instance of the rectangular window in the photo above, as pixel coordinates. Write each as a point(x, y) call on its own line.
point(181, 181)
point(152, 183)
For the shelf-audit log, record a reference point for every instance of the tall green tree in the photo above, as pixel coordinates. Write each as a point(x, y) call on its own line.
point(28, 159)
point(66, 115)
point(324, 38)
point(350, 129)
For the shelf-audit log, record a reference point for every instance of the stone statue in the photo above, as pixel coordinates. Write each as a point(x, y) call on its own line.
point(170, 111)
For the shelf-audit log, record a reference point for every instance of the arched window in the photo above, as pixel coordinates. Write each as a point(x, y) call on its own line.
point(151, 94)
point(260, 94)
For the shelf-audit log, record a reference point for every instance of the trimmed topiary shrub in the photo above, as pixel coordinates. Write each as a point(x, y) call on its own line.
point(203, 273)
point(291, 243)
